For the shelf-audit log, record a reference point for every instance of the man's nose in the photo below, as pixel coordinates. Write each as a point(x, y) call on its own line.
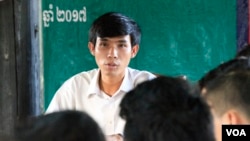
point(112, 52)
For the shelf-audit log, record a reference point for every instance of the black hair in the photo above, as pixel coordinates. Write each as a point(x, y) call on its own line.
point(114, 24)
point(166, 108)
point(242, 63)
point(66, 125)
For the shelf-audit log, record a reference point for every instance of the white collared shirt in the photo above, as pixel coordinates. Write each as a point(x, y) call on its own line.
point(82, 92)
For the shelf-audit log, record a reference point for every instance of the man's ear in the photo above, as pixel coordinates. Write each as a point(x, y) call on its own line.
point(135, 50)
point(233, 117)
point(91, 47)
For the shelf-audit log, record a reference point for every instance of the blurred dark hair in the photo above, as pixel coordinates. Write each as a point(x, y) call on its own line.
point(166, 108)
point(59, 126)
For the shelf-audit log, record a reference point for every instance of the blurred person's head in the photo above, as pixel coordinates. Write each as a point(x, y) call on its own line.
point(229, 99)
point(60, 126)
point(166, 108)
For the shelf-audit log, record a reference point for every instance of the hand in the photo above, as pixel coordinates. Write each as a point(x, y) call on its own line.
point(115, 137)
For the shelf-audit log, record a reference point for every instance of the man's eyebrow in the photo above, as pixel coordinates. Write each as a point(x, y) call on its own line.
point(122, 41)
point(103, 39)
point(119, 41)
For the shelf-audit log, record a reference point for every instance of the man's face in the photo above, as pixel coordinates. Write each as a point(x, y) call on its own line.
point(113, 55)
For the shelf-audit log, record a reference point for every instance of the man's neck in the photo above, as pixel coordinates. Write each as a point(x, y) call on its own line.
point(110, 85)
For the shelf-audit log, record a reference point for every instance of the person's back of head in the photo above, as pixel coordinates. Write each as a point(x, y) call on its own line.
point(230, 91)
point(221, 91)
point(165, 108)
point(113, 24)
point(60, 126)
point(229, 99)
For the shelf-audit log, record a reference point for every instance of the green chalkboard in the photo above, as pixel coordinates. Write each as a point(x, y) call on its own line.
point(179, 37)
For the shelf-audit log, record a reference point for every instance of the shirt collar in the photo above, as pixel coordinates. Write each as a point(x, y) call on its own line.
point(127, 83)
point(94, 85)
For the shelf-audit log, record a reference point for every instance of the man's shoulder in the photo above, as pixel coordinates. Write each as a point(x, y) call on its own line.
point(136, 72)
point(139, 76)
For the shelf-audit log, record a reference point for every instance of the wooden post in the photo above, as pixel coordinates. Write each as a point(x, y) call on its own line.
point(28, 58)
point(8, 78)
point(20, 87)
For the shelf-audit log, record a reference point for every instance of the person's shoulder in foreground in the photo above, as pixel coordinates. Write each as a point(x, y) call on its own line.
point(166, 108)
point(59, 126)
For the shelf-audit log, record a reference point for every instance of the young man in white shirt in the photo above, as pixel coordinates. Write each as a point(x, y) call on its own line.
point(113, 40)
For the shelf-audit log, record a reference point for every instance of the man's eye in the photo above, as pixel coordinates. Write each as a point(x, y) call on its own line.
point(122, 45)
point(103, 44)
